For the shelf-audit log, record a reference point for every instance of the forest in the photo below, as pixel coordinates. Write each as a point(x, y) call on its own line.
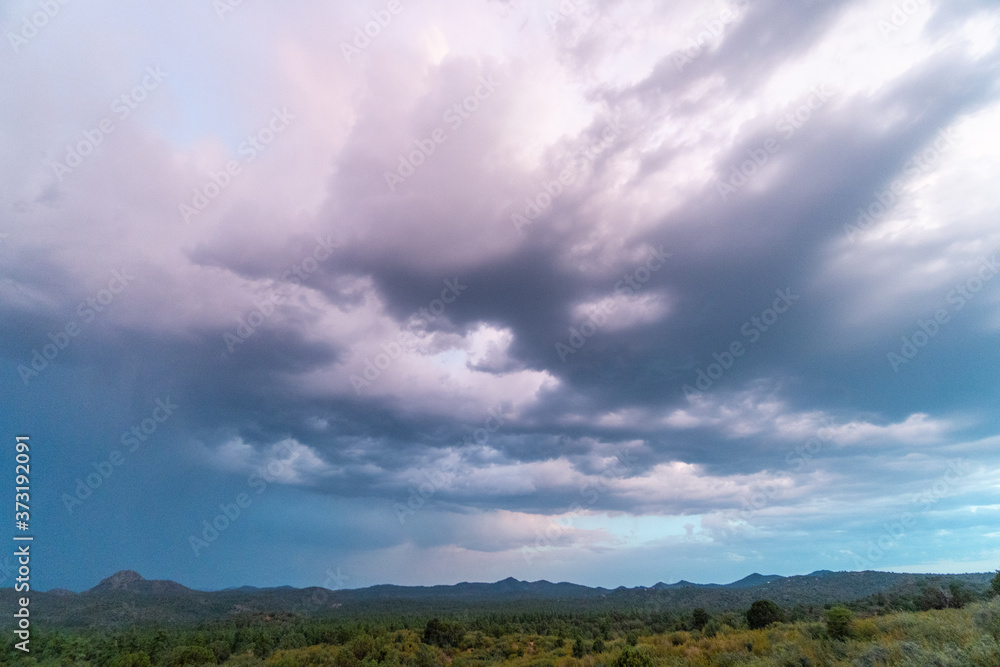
point(941, 625)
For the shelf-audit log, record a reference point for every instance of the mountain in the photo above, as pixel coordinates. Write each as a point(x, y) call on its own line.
point(755, 579)
point(129, 581)
point(682, 584)
point(127, 599)
point(748, 581)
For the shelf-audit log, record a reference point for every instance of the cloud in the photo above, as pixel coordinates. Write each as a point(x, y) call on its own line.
point(493, 246)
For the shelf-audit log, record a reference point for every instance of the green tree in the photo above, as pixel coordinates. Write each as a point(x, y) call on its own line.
point(579, 650)
point(838, 622)
point(598, 645)
point(633, 657)
point(182, 656)
point(425, 657)
point(632, 638)
point(933, 597)
point(699, 617)
point(442, 633)
point(221, 651)
point(132, 660)
point(763, 613)
point(995, 584)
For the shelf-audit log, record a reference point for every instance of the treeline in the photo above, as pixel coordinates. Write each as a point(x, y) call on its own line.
point(951, 595)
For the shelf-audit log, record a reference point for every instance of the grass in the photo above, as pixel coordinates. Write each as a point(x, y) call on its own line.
point(944, 638)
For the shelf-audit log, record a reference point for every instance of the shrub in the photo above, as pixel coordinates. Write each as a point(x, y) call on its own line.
point(221, 651)
point(678, 638)
point(633, 657)
point(443, 634)
point(934, 598)
point(763, 613)
point(425, 657)
point(191, 655)
point(244, 661)
point(132, 660)
point(987, 618)
point(864, 629)
point(838, 622)
point(875, 656)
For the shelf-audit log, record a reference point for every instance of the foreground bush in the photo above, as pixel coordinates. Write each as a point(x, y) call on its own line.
point(838, 622)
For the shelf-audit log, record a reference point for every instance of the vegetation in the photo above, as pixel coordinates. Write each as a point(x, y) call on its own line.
point(949, 637)
point(922, 620)
point(763, 613)
point(838, 622)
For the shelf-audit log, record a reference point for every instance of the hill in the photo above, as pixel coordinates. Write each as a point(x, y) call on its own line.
point(127, 599)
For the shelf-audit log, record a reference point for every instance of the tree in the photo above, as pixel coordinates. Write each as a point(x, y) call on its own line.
point(442, 633)
point(960, 595)
point(132, 660)
point(633, 657)
point(838, 622)
point(763, 613)
point(995, 584)
point(598, 645)
point(579, 650)
point(699, 617)
point(191, 655)
point(933, 597)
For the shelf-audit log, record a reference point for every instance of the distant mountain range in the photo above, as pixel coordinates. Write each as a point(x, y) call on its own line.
point(126, 598)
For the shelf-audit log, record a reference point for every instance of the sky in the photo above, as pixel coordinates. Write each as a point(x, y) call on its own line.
point(421, 293)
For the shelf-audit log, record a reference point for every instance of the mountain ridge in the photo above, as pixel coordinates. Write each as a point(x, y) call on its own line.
point(126, 599)
point(131, 581)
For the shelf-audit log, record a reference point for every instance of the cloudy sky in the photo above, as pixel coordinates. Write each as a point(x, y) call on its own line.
point(418, 293)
